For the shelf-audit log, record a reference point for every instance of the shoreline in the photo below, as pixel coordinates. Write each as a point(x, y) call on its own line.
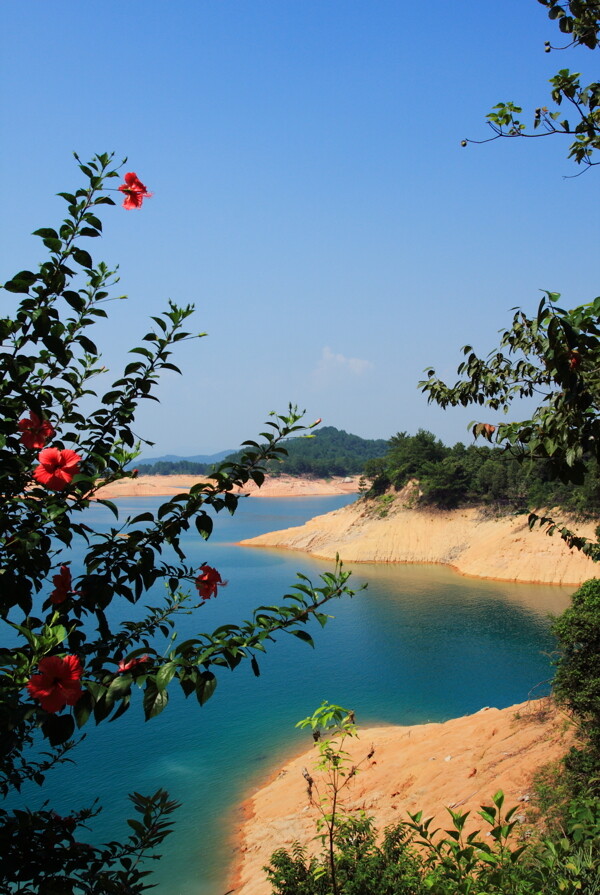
point(467, 540)
point(273, 486)
point(429, 766)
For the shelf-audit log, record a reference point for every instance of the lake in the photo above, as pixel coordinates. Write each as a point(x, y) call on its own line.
point(420, 644)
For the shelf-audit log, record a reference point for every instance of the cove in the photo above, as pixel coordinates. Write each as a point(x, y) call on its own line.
point(420, 644)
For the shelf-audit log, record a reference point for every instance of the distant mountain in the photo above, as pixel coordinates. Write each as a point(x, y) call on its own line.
point(329, 452)
point(177, 458)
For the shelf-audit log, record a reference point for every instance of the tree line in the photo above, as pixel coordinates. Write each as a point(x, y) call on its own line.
point(450, 477)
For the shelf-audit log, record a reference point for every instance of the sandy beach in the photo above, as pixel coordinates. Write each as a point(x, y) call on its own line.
point(469, 540)
point(458, 764)
point(281, 486)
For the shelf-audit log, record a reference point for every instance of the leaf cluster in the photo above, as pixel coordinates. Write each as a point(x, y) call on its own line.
point(579, 22)
point(43, 845)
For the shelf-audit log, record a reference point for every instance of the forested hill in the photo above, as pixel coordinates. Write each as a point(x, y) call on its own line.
point(329, 451)
point(477, 475)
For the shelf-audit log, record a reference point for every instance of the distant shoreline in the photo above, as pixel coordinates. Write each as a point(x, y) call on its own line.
point(280, 486)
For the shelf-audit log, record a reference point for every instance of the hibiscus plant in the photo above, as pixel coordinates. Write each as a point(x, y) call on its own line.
point(62, 660)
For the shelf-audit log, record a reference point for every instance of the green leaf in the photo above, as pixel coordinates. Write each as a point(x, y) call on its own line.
point(83, 708)
point(74, 299)
point(120, 686)
point(154, 700)
point(55, 245)
point(46, 233)
point(205, 686)
point(165, 675)
point(82, 257)
point(58, 728)
point(87, 345)
point(21, 281)
point(204, 525)
point(303, 635)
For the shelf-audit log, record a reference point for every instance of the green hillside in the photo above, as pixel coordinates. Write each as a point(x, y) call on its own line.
point(478, 475)
point(328, 452)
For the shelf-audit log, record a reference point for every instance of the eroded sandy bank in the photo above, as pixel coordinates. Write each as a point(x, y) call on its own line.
point(484, 547)
point(458, 764)
point(282, 486)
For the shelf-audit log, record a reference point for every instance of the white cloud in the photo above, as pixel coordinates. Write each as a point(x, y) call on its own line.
point(331, 363)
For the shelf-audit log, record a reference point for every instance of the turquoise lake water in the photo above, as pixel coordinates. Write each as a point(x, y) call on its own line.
point(420, 644)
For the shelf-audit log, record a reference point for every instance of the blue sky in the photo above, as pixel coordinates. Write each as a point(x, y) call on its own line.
point(311, 196)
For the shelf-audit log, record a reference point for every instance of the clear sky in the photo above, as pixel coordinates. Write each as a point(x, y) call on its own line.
point(311, 196)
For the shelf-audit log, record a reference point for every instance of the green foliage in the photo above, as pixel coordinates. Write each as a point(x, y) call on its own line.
point(479, 476)
point(295, 873)
point(383, 504)
point(364, 866)
point(71, 653)
point(554, 356)
point(577, 679)
point(331, 725)
point(414, 859)
point(42, 846)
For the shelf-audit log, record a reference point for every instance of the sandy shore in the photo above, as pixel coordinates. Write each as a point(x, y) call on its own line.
point(483, 547)
point(428, 767)
point(282, 486)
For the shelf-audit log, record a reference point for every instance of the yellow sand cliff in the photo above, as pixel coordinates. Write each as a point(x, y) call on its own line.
point(474, 544)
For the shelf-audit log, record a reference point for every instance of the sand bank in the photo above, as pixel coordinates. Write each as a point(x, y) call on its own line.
point(282, 486)
point(483, 547)
point(459, 764)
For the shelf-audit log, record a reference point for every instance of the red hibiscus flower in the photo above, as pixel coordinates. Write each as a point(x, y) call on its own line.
point(57, 468)
point(63, 585)
point(208, 582)
point(134, 190)
point(58, 683)
point(35, 432)
point(127, 666)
